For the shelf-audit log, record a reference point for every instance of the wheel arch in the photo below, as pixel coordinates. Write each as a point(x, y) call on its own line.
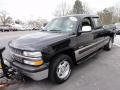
point(69, 52)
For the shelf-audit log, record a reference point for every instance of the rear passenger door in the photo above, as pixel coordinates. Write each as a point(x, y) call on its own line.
point(98, 32)
point(97, 29)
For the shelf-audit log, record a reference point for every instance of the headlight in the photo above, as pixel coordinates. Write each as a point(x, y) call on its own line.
point(32, 54)
point(34, 63)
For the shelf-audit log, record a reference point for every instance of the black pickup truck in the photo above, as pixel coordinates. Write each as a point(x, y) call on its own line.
point(65, 42)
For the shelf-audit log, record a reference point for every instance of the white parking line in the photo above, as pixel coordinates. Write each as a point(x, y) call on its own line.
point(117, 44)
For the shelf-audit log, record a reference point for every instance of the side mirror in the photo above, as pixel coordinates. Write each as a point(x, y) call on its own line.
point(86, 28)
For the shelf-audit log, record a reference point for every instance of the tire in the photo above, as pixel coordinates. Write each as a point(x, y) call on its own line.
point(60, 69)
point(109, 45)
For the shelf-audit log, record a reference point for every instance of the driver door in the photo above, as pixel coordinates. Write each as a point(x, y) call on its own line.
point(85, 39)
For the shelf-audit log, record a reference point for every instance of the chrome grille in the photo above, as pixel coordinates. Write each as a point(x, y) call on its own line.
point(16, 51)
point(14, 57)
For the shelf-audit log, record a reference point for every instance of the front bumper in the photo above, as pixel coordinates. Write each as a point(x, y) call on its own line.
point(36, 73)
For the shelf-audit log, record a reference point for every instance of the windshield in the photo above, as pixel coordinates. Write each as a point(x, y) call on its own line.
point(64, 24)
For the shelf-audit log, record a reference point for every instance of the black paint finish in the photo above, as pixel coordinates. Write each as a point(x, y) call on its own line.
point(51, 44)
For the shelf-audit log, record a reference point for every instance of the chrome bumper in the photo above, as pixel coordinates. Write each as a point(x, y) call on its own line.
point(37, 75)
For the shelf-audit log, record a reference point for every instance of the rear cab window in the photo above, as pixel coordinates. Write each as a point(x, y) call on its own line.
point(97, 22)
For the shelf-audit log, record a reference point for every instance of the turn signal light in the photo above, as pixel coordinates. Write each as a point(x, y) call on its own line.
point(38, 62)
point(34, 63)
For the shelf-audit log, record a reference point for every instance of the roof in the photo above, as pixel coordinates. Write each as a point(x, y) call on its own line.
point(81, 15)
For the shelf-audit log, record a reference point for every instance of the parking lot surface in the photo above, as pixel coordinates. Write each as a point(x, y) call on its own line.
point(101, 72)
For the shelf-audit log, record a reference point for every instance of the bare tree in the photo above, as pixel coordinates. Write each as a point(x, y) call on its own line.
point(106, 16)
point(78, 8)
point(5, 19)
point(62, 9)
point(110, 15)
point(38, 23)
point(86, 8)
point(116, 14)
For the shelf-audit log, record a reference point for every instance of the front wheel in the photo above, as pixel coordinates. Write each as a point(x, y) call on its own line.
point(109, 45)
point(60, 69)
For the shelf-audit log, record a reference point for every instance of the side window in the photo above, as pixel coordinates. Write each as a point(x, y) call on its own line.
point(97, 22)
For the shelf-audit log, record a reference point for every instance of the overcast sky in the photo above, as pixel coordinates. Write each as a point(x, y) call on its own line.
point(31, 9)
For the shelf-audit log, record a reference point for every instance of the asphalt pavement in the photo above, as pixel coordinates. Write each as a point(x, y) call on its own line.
point(101, 72)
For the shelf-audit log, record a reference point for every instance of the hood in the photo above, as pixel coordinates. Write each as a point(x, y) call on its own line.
point(37, 41)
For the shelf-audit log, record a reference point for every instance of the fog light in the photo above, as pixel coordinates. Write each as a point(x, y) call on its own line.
point(34, 63)
point(3, 85)
point(7, 63)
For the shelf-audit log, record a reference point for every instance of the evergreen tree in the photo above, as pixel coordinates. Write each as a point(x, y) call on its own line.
point(78, 7)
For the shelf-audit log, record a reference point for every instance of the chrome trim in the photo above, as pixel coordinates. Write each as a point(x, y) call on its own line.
point(38, 75)
point(7, 63)
point(85, 53)
point(91, 45)
point(25, 56)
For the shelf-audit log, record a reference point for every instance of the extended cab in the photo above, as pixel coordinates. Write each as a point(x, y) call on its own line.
point(64, 42)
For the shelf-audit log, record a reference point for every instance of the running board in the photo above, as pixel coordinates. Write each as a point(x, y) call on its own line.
point(86, 58)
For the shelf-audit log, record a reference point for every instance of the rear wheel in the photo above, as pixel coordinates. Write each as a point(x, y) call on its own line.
point(109, 45)
point(60, 69)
